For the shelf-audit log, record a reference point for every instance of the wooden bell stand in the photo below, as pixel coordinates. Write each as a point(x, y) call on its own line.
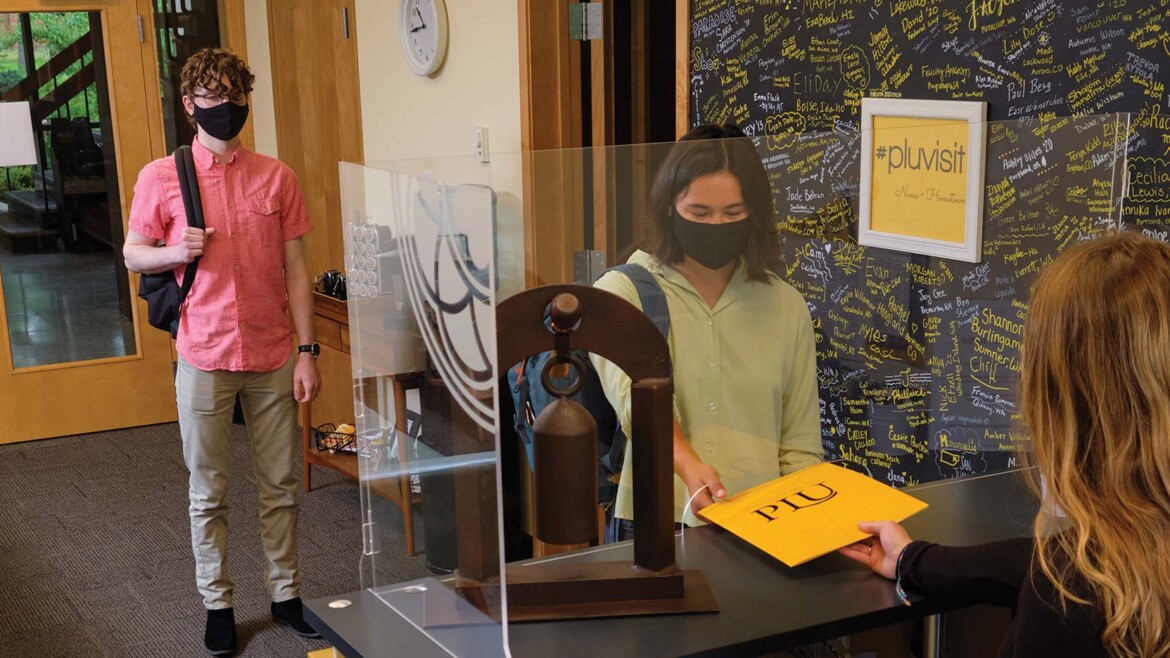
point(654, 584)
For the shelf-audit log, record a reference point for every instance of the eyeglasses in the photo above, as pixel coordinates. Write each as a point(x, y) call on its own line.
point(237, 97)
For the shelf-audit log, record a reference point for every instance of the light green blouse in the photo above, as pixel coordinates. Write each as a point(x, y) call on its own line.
point(744, 380)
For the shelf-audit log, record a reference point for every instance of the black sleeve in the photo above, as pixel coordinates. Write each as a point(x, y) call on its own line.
point(1003, 574)
point(1042, 627)
point(988, 573)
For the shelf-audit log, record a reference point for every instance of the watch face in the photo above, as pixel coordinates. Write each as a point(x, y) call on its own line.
point(423, 28)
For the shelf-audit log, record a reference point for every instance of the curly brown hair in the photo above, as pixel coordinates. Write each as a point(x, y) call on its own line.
point(207, 67)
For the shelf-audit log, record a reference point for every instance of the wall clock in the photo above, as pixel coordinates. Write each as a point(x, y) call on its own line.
point(422, 29)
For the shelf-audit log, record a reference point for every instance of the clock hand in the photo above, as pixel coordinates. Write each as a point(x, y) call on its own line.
point(416, 29)
point(420, 19)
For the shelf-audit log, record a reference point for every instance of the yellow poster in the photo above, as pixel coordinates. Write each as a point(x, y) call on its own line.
point(814, 511)
point(919, 177)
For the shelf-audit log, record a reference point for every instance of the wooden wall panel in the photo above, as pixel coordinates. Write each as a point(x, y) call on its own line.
point(318, 125)
point(550, 118)
point(318, 111)
point(232, 35)
point(682, 55)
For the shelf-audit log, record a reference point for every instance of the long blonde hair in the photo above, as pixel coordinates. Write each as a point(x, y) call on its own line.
point(1096, 398)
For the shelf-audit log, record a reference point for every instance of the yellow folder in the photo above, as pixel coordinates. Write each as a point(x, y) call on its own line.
point(811, 512)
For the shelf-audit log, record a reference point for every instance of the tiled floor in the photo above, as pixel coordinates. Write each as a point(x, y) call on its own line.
point(63, 307)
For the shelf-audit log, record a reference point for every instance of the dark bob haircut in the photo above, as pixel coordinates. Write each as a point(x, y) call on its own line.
point(703, 151)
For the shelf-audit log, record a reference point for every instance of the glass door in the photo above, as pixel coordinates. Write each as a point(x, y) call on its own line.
point(73, 90)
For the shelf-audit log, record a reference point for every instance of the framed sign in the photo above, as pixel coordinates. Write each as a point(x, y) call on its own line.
point(922, 176)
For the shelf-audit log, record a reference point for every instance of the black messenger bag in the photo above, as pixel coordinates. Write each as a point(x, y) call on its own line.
point(164, 297)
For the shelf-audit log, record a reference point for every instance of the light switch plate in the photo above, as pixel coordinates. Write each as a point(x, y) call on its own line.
point(481, 144)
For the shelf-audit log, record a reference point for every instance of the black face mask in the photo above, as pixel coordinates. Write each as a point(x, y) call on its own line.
point(712, 245)
point(224, 121)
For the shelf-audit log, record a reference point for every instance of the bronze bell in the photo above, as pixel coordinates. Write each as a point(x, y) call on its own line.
point(565, 443)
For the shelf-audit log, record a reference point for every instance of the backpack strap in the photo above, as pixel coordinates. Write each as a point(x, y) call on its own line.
point(649, 293)
point(193, 205)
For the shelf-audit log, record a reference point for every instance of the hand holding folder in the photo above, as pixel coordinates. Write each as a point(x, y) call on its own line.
point(809, 513)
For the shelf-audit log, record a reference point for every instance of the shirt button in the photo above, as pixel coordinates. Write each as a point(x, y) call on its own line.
point(710, 447)
point(710, 322)
point(711, 406)
point(713, 364)
point(236, 267)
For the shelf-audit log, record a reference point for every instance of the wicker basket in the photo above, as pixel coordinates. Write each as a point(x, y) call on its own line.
point(325, 437)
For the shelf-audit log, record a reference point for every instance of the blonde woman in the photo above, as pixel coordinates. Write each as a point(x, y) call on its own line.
point(1095, 394)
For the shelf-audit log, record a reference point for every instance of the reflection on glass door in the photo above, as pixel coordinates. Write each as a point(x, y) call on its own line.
point(66, 289)
point(183, 27)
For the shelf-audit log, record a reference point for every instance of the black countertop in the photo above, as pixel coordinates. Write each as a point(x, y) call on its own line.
point(764, 605)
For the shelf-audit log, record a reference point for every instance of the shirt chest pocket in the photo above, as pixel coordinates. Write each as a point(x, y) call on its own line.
point(262, 221)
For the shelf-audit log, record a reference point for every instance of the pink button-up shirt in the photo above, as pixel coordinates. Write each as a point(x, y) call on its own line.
point(236, 315)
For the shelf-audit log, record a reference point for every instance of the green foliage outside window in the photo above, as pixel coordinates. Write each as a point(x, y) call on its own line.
point(52, 32)
point(15, 178)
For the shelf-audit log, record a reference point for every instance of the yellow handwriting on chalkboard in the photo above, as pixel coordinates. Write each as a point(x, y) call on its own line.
point(780, 130)
point(980, 10)
point(855, 67)
point(702, 61)
point(1151, 116)
point(1149, 179)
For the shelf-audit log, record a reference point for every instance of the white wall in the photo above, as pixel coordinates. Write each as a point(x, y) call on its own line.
point(408, 116)
point(405, 116)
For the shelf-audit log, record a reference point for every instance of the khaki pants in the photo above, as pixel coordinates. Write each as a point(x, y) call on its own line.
point(206, 401)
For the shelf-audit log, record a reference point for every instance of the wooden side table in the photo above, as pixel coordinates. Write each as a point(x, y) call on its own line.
point(331, 323)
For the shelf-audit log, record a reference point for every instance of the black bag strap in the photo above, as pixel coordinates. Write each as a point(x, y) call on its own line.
point(192, 204)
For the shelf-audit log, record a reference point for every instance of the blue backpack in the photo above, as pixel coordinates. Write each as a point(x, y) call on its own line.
point(530, 398)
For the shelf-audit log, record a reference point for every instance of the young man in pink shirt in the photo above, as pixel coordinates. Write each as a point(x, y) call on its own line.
point(234, 332)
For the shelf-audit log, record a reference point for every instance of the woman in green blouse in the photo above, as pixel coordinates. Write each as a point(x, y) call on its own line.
point(741, 339)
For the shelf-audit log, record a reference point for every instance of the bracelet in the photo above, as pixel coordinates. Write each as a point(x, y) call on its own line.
point(901, 593)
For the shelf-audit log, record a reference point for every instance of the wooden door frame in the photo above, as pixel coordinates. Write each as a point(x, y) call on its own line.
point(682, 74)
point(134, 386)
point(232, 35)
point(550, 119)
point(550, 98)
point(143, 382)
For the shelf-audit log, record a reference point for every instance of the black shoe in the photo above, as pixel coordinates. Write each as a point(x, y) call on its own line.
point(289, 613)
point(220, 637)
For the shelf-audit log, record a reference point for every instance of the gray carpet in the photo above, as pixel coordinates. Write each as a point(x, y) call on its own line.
point(95, 553)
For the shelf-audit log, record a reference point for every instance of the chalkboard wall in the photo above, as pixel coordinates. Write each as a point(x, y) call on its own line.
point(918, 357)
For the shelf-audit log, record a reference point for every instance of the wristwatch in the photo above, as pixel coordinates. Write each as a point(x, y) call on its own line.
point(313, 349)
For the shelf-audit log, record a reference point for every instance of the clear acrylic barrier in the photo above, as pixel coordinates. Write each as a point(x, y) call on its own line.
point(421, 269)
point(916, 357)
